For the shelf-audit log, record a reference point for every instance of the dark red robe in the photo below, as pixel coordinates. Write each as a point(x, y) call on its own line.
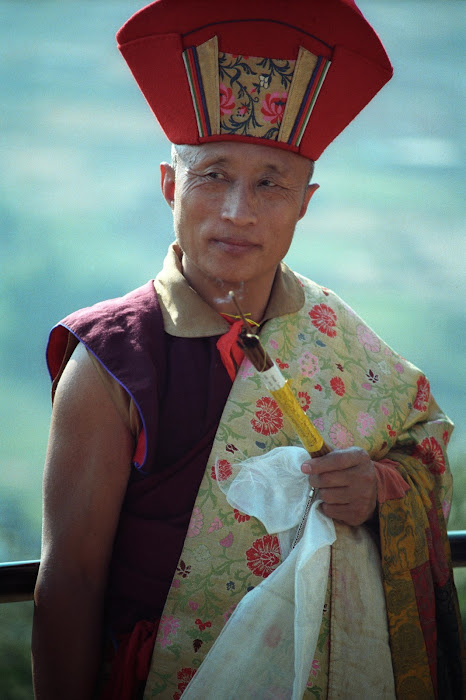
point(188, 378)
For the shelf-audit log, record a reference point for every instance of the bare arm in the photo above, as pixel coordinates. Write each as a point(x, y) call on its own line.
point(86, 474)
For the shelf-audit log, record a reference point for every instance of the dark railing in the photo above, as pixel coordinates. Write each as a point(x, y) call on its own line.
point(18, 578)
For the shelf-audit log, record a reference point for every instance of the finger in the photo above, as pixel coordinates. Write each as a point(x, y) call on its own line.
point(338, 460)
point(330, 480)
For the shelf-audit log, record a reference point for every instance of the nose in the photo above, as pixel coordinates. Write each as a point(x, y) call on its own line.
point(239, 205)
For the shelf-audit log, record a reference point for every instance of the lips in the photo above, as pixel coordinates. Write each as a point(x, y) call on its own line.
point(237, 245)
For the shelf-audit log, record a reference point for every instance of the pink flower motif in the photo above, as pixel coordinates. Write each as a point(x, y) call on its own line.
point(315, 667)
point(308, 364)
point(341, 436)
point(273, 344)
point(273, 106)
point(193, 605)
point(246, 370)
point(216, 525)
point(196, 522)
point(168, 628)
point(227, 541)
point(366, 386)
point(324, 319)
point(229, 612)
point(365, 424)
point(227, 100)
point(176, 583)
point(385, 410)
point(319, 423)
point(398, 368)
point(368, 339)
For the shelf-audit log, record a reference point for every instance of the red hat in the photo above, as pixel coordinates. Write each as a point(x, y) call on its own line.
point(285, 73)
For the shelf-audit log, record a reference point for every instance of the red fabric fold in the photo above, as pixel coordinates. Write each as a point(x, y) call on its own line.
point(131, 663)
point(230, 352)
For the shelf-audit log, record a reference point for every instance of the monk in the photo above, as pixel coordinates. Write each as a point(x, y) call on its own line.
point(143, 558)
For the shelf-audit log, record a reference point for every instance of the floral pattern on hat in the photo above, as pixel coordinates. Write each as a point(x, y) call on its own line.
point(253, 94)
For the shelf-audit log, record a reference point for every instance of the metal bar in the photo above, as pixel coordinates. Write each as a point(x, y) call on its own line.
point(457, 539)
point(18, 578)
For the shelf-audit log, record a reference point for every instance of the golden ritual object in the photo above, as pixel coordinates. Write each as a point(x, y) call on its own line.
point(280, 388)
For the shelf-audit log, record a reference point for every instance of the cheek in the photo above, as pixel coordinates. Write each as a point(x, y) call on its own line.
point(283, 225)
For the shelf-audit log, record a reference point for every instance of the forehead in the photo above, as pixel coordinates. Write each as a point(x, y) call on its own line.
point(245, 156)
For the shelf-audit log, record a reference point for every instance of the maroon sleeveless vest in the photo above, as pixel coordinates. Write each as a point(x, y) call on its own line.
point(180, 387)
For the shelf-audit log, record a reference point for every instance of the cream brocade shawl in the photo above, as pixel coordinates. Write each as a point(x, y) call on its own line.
point(357, 391)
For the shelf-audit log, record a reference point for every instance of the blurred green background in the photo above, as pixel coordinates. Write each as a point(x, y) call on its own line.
point(81, 219)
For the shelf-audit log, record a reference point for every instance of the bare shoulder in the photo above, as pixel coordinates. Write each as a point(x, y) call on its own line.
point(87, 467)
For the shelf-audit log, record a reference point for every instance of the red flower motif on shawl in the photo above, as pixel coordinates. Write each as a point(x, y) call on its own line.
point(430, 453)
point(227, 100)
point(224, 470)
point(240, 517)
point(273, 106)
point(269, 418)
point(184, 676)
point(338, 386)
point(423, 393)
point(324, 319)
point(304, 400)
point(264, 555)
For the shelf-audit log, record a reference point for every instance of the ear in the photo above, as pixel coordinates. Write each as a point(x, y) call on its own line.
point(167, 183)
point(310, 189)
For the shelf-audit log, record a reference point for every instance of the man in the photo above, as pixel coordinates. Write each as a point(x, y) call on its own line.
point(153, 403)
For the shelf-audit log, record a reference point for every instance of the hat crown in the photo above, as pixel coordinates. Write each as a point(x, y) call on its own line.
point(247, 71)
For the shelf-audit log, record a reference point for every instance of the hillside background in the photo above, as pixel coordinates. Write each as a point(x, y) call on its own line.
point(81, 219)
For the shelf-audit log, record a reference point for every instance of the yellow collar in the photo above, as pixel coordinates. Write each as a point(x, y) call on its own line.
point(187, 315)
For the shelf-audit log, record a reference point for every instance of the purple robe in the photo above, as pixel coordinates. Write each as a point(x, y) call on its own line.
point(185, 376)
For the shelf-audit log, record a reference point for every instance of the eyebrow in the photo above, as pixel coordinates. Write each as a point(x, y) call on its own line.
point(225, 161)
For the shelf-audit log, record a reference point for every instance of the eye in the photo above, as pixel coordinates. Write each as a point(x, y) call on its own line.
point(214, 175)
point(267, 183)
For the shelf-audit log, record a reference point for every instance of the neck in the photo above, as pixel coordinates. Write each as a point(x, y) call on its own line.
point(252, 302)
point(252, 296)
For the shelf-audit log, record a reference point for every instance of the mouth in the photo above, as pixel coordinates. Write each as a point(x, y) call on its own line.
point(235, 245)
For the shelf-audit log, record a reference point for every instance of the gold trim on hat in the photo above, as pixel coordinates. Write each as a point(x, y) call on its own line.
point(208, 61)
point(240, 95)
point(304, 68)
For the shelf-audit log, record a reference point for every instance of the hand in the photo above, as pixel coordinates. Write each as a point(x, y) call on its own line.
point(347, 484)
